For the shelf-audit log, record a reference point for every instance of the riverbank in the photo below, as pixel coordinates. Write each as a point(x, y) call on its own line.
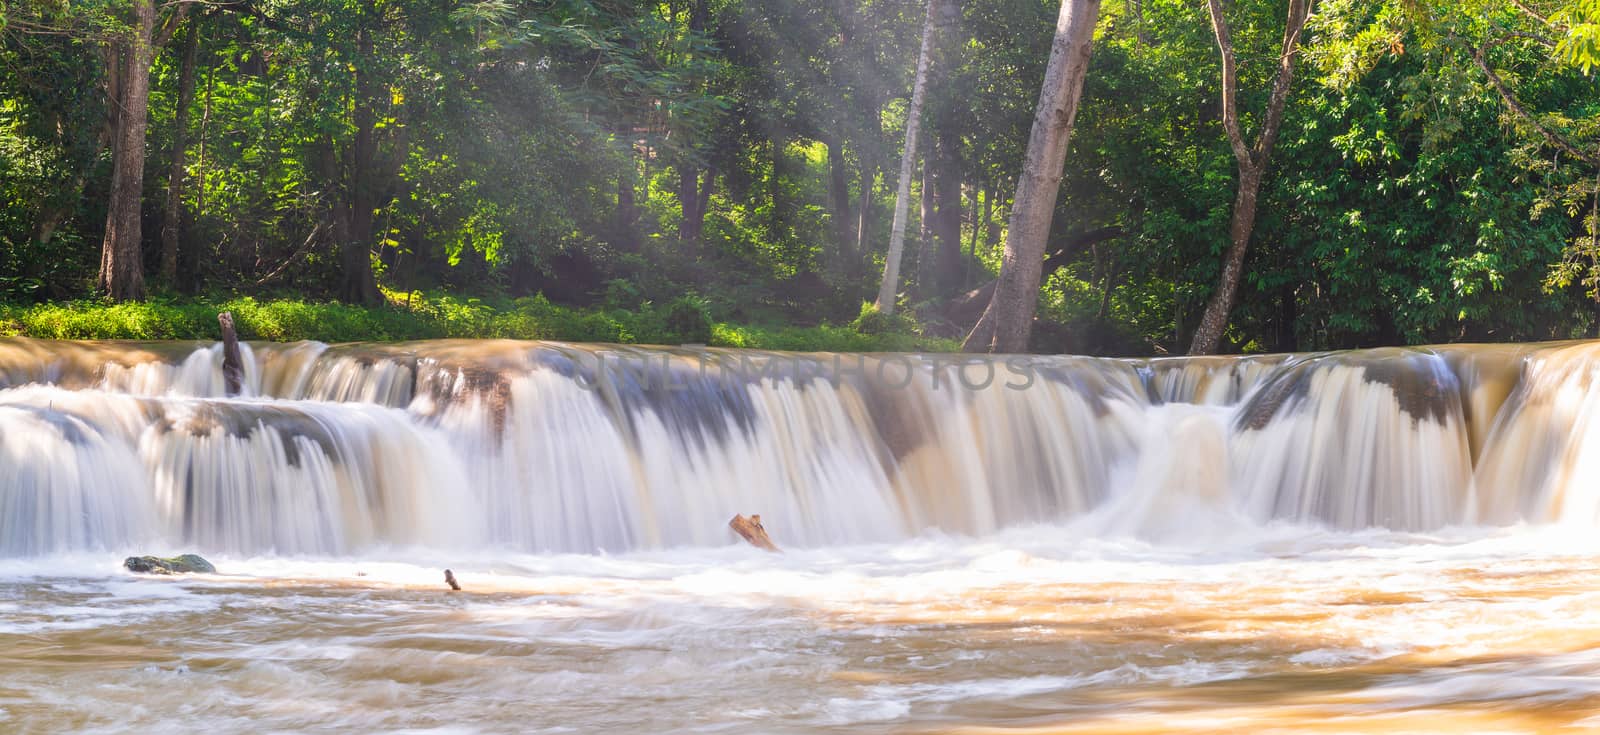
point(682, 321)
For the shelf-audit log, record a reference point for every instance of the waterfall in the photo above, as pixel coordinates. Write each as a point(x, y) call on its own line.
point(579, 448)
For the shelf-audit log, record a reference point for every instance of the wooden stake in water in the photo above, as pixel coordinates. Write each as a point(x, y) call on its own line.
point(232, 363)
point(752, 531)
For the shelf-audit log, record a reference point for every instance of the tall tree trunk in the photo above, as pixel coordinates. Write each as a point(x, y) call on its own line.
point(708, 181)
point(627, 209)
point(940, 255)
point(946, 227)
point(121, 262)
point(172, 218)
point(925, 217)
point(779, 142)
point(890, 286)
point(355, 251)
point(866, 179)
point(689, 203)
point(839, 202)
point(1008, 321)
point(1252, 160)
point(978, 221)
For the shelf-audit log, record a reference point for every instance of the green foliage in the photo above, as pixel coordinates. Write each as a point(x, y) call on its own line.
point(687, 318)
point(1580, 43)
point(528, 169)
point(436, 316)
point(872, 321)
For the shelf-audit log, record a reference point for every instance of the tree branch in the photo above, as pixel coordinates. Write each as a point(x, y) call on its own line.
point(170, 25)
point(1480, 56)
point(1230, 85)
point(1299, 13)
point(1531, 13)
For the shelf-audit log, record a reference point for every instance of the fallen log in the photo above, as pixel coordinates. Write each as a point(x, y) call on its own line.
point(752, 531)
point(232, 363)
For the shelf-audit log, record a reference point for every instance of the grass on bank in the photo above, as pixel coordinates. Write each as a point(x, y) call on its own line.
point(681, 321)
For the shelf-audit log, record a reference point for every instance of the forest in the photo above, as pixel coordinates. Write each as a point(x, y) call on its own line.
point(1129, 178)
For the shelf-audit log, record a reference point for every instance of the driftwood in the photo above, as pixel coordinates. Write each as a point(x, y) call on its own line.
point(450, 579)
point(752, 531)
point(232, 363)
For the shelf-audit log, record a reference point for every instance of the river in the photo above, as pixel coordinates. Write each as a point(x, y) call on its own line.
point(1378, 541)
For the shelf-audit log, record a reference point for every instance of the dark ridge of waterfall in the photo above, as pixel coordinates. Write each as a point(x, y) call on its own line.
point(702, 397)
point(582, 448)
point(1423, 383)
point(1283, 389)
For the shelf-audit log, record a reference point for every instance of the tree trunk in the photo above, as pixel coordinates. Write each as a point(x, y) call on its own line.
point(1208, 335)
point(355, 251)
point(839, 202)
point(1008, 322)
point(1287, 316)
point(232, 362)
point(939, 258)
point(708, 180)
point(1252, 160)
point(779, 142)
point(121, 261)
point(925, 217)
point(689, 203)
point(946, 229)
point(172, 218)
point(867, 177)
point(890, 286)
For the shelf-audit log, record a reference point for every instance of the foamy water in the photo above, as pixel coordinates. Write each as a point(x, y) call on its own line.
point(1384, 540)
point(1036, 629)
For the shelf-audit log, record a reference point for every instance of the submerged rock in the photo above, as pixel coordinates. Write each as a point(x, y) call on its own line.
point(185, 564)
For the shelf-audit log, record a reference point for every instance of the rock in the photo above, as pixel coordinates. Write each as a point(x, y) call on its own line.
point(185, 564)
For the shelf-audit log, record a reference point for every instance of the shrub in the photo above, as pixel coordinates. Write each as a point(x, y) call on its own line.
point(688, 320)
point(873, 321)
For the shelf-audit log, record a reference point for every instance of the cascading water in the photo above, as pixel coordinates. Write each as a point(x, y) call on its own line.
point(1383, 540)
point(552, 447)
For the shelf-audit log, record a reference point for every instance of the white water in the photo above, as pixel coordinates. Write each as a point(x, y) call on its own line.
point(520, 446)
point(1386, 540)
point(1283, 629)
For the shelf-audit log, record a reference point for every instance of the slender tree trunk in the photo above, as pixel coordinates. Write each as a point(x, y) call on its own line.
point(866, 178)
point(890, 287)
point(925, 217)
point(1008, 321)
point(775, 192)
point(1252, 160)
point(1287, 316)
point(172, 218)
point(200, 161)
point(978, 221)
point(693, 218)
point(627, 208)
point(939, 260)
point(708, 181)
point(839, 202)
point(947, 272)
point(121, 259)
